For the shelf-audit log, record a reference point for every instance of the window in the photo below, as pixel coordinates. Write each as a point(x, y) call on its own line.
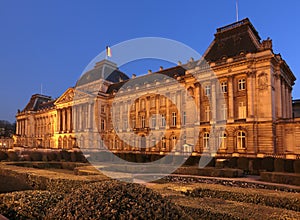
point(153, 121)
point(206, 140)
point(184, 139)
point(224, 112)
point(143, 104)
point(102, 124)
point(143, 125)
point(163, 143)
point(133, 123)
point(173, 142)
point(152, 102)
point(207, 90)
point(224, 87)
point(153, 143)
point(241, 140)
point(102, 109)
point(125, 124)
point(174, 119)
point(207, 113)
point(163, 121)
point(242, 84)
point(222, 139)
point(162, 101)
point(242, 110)
point(184, 118)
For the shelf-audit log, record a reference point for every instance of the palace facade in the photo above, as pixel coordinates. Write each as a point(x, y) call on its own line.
point(236, 103)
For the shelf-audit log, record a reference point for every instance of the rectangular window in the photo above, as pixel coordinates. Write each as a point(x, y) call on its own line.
point(133, 123)
point(224, 112)
point(153, 121)
point(242, 84)
point(152, 102)
point(224, 87)
point(207, 113)
point(163, 120)
point(125, 124)
point(207, 90)
point(184, 118)
point(242, 110)
point(143, 125)
point(102, 124)
point(102, 109)
point(174, 119)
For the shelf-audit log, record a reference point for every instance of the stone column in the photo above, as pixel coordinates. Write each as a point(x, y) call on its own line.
point(180, 109)
point(278, 96)
point(198, 102)
point(167, 112)
point(213, 101)
point(250, 91)
point(68, 127)
point(157, 111)
point(63, 121)
point(147, 118)
point(17, 127)
point(230, 100)
point(286, 100)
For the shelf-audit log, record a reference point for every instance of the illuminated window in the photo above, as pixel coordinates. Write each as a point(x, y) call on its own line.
point(174, 119)
point(207, 90)
point(224, 111)
point(242, 110)
point(163, 120)
point(207, 113)
point(206, 140)
point(241, 140)
point(184, 118)
point(222, 139)
point(242, 84)
point(224, 87)
point(102, 124)
point(153, 121)
point(143, 125)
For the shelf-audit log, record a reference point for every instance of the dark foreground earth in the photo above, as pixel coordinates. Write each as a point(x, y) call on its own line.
point(59, 194)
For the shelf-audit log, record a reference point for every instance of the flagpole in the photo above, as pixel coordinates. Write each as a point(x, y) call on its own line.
point(237, 10)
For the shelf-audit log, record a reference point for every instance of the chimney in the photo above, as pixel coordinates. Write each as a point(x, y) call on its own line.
point(179, 63)
point(149, 71)
point(133, 76)
point(191, 59)
point(161, 68)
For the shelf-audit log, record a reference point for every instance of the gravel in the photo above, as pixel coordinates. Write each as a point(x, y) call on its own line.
point(115, 200)
point(232, 183)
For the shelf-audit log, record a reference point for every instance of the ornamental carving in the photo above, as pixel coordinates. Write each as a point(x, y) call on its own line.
point(263, 81)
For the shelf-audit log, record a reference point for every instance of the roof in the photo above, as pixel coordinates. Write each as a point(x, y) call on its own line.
point(104, 69)
point(233, 39)
point(170, 72)
point(38, 101)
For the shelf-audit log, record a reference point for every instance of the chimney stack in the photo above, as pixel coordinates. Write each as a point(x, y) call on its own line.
point(133, 76)
point(149, 71)
point(161, 68)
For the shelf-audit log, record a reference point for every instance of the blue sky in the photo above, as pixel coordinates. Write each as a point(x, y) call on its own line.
point(51, 42)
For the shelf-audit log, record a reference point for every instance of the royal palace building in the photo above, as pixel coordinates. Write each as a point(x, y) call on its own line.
point(236, 101)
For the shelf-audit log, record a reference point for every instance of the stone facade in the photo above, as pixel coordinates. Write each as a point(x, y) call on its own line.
point(237, 103)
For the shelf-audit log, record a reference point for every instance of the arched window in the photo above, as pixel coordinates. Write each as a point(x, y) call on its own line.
point(241, 140)
point(223, 141)
point(206, 140)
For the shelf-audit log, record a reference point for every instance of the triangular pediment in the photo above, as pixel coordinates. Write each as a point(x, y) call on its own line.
point(66, 97)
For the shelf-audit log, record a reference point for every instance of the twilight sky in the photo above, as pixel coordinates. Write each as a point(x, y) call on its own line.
point(51, 42)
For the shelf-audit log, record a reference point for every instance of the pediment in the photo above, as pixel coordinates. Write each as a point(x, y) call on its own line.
point(66, 97)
